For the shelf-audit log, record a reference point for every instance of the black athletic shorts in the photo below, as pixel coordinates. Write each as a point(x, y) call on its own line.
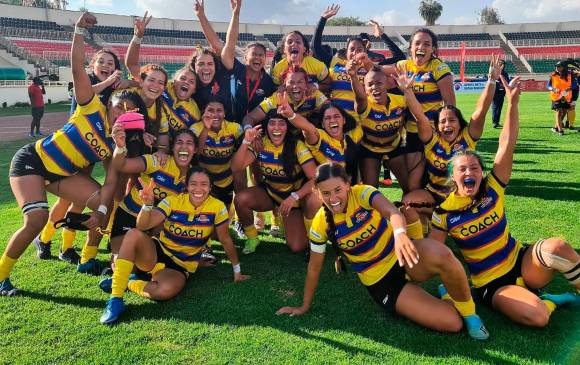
point(485, 293)
point(226, 195)
point(387, 290)
point(123, 222)
point(27, 162)
point(163, 258)
point(366, 153)
point(575, 94)
point(413, 144)
point(37, 113)
point(560, 105)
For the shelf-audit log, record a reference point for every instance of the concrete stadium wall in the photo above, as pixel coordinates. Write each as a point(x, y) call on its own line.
point(13, 94)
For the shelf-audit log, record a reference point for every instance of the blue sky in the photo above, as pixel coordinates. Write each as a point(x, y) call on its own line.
point(308, 11)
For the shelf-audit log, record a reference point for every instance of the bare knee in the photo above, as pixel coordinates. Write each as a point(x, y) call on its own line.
point(36, 220)
point(163, 293)
point(536, 317)
point(242, 199)
point(556, 246)
point(451, 323)
point(133, 237)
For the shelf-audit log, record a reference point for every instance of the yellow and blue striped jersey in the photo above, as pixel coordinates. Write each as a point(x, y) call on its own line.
point(152, 113)
point(438, 153)
point(278, 184)
point(308, 105)
point(365, 237)
point(382, 124)
point(167, 183)
point(425, 88)
point(180, 114)
point(482, 234)
point(329, 149)
point(187, 229)
point(216, 156)
point(83, 141)
point(316, 69)
point(341, 87)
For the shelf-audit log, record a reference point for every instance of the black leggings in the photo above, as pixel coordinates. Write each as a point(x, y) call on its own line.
point(37, 114)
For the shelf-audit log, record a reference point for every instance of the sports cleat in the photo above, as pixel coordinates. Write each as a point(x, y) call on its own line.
point(442, 290)
point(251, 245)
point(106, 284)
point(7, 289)
point(69, 255)
point(277, 232)
point(39, 134)
point(239, 230)
point(562, 299)
point(42, 249)
point(208, 256)
point(115, 307)
point(554, 130)
point(387, 182)
point(91, 267)
point(30, 135)
point(475, 327)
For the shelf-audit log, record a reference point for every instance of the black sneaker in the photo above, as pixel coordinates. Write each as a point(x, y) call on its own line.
point(554, 130)
point(561, 132)
point(497, 126)
point(70, 256)
point(208, 256)
point(567, 125)
point(42, 249)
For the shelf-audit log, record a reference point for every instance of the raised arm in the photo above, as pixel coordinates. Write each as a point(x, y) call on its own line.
point(445, 86)
point(255, 116)
point(484, 102)
point(132, 56)
point(319, 52)
point(360, 100)
point(212, 38)
point(228, 52)
point(395, 50)
point(120, 161)
point(243, 156)
point(148, 217)
point(405, 83)
point(83, 88)
point(502, 165)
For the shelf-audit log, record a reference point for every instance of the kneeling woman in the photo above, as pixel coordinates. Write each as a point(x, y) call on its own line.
point(188, 219)
point(360, 214)
point(287, 168)
point(505, 273)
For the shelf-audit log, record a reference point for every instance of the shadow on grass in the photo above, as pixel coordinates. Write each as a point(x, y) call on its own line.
point(547, 190)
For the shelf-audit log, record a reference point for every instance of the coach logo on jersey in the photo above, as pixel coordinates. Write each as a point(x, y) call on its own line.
point(483, 224)
point(94, 143)
point(362, 237)
point(189, 233)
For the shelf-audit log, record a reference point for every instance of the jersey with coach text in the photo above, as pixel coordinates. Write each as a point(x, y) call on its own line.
point(341, 92)
point(316, 69)
point(167, 183)
point(365, 237)
point(216, 156)
point(187, 229)
point(83, 141)
point(425, 88)
point(482, 234)
point(308, 105)
point(438, 153)
point(180, 114)
point(382, 124)
point(329, 149)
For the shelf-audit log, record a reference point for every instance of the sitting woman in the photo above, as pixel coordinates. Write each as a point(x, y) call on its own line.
point(505, 273)
point(189, 220)
point(371, 232)
point(287, 168)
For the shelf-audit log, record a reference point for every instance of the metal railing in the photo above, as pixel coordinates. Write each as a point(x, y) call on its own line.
point(545, 42)
point(551, 56)
point(21, 83)
point(481, 43)
point(473, 58)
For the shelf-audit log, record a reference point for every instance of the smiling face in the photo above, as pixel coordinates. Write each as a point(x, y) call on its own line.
point(448, 125)
point(183, 149)
point(277, 129)
point(354, 47)
point(333, 123)
point(184, 84)
point(198, 187)
point(334, 194)
point(421, 48)
point(205, 68)
point(117, 107)
point(294, 48)
point(295, 84)
point(467, 175)
point(153, 85)
point(376, 86)
point(256, 58)
point(104, 66)
point(215, 111)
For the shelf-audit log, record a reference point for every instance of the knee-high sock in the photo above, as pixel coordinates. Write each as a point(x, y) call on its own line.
point(6, 265)
point(121, 275)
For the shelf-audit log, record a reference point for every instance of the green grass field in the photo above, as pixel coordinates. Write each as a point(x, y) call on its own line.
point(48, 108)
point(217, 321)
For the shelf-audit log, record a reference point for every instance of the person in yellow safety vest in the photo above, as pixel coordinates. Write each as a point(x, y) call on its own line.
point(560, 85)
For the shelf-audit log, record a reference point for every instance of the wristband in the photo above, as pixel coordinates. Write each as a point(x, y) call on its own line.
point(398, 231)
point(245, 141)
point(490, 80)
point(103, 209)
point(292, 117)
point(79, 30)
point(247, 126)
point(147, 208)
point(295, 195)
point(136, 40)
point(237, 268)
point(120, 150)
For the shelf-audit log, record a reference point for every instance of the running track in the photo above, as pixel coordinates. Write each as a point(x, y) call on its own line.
point(16, 128)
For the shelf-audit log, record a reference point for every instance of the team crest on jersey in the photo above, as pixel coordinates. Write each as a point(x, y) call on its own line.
point(457, 147)
point(486, 201)
point(361, 216)
point(227, 140)
point(426, 76)
point(202, 218)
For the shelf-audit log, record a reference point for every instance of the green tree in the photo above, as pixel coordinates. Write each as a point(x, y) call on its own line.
point(345, 21)
point(489, 15)
point(430, 10)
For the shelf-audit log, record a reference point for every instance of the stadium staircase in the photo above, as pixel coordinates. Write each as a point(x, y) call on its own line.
point(23, 59)
point(509, 49)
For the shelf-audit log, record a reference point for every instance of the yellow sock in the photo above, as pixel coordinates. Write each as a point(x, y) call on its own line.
point(121, 275)
point(465, 309)
point(68, 239)
point(277, 220)
point(89, 252)
point(572, 117)
point(551, 305)
point(307, 225)
point(138, 287)
point(6, 265)
point(415, 230)
point(251, 231)
point(47, 232)
point(112, 216)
